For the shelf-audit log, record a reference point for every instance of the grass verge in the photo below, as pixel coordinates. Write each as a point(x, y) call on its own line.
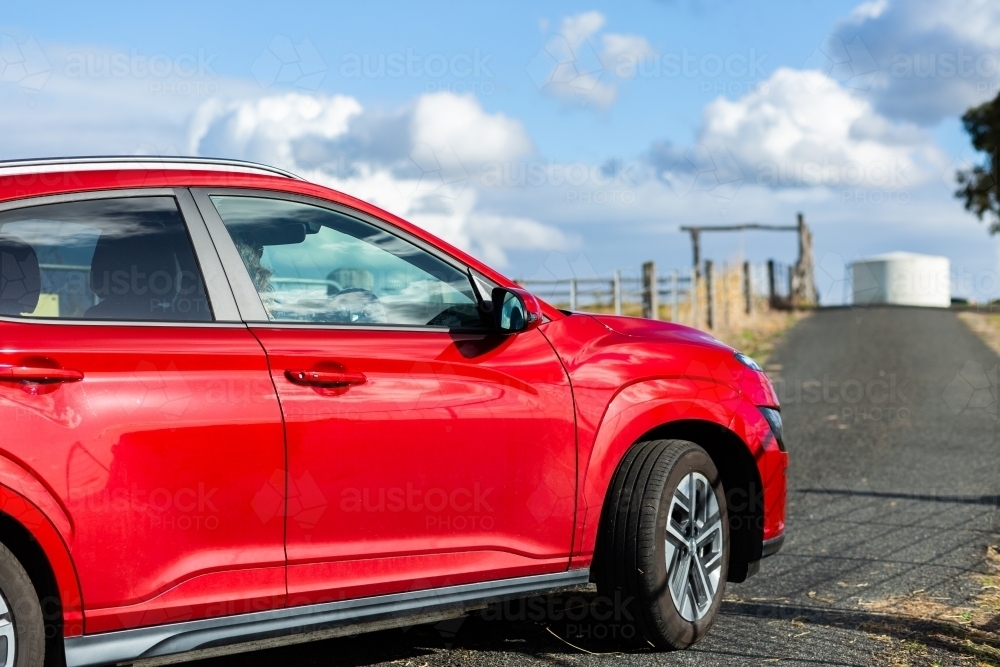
point(921, 630)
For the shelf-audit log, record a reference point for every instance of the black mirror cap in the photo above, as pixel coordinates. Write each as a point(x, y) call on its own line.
point(515, 310)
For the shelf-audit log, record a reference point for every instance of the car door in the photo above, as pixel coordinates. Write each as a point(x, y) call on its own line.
point(423, 449)
point(131, 390)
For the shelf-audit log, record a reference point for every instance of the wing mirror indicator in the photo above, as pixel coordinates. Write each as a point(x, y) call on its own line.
point(515, 310)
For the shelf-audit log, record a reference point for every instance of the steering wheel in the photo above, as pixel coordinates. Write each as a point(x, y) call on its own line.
point(357, 306)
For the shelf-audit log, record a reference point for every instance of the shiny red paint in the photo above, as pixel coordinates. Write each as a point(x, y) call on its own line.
point(630, 376)
point(149, 468)
point(315, 442)
point(453, 461)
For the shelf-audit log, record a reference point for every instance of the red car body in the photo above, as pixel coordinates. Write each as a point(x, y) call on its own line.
point(185, 478)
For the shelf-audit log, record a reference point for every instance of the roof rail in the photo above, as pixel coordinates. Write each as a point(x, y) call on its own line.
point(91, 163)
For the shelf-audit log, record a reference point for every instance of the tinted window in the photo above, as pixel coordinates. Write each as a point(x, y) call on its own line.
point(310, 264)
point(105, 259)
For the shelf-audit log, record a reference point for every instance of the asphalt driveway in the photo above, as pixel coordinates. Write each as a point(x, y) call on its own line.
point(891, 422)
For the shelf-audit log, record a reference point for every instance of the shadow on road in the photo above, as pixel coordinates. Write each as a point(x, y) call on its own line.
point(993, 501)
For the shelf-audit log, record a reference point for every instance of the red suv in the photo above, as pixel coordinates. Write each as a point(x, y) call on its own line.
point(237, 407)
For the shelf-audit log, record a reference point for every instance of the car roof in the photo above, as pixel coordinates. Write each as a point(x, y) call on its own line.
point(137, 162)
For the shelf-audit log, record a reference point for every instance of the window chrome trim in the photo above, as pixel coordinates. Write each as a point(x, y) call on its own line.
point(403, 328)
point(62, 321)
point(84, 196)
point(248, 299)
point(297, 623)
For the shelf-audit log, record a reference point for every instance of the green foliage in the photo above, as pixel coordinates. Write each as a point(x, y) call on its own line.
point(979, 184)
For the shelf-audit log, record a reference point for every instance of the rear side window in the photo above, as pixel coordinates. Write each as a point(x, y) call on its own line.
point(125, 259)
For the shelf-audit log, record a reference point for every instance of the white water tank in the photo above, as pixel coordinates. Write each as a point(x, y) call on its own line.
point(902, 278)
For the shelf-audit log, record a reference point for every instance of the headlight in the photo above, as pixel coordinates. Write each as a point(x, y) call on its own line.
point(773, 418)
point(747, 361)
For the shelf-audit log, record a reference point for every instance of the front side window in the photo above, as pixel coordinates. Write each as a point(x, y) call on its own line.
point(126, 259)
point(311, 264)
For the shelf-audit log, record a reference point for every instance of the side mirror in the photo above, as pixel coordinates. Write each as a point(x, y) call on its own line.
point(515, 310)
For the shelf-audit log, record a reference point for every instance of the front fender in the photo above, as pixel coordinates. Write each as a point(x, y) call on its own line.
point(634, 411)
point(28, 502)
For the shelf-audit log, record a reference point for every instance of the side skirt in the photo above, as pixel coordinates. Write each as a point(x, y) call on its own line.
point(178, 642)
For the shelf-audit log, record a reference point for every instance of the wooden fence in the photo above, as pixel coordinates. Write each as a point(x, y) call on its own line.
point(718, 297)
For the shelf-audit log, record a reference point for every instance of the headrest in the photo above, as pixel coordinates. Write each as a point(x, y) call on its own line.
point(130, 255)
point(20, 279)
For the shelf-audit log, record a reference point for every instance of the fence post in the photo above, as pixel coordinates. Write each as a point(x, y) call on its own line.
point(572, 293)
point(724, 292)
point(618, 291)
point(748, 287)
point(674, 296)
point(802, 290)
point(650, 292)
point(693, 297)
point(709, 300)
point(791, 286)
point(771, 296)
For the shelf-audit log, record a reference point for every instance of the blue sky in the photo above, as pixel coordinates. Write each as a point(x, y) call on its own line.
point(655, 118)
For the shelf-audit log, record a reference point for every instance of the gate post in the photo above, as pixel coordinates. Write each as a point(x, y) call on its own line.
point(650, 292)
point(709, 295)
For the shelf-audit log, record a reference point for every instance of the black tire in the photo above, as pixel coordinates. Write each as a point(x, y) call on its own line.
point(24, 612)
point(632, 549)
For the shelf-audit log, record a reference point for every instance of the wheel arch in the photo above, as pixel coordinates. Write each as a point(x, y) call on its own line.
point(33, 539)
point(731, 455)
point(711, 414)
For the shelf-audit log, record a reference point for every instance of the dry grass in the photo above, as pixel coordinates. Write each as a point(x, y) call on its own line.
point(984, 325)
point(928, 630)
point(755, 335)
point(758, 336)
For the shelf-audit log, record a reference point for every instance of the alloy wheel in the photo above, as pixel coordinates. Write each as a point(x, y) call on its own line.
point(693, 547)
point(8, 639)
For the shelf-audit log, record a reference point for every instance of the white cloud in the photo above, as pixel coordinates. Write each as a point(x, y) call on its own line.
point(424, 176)
point(573, 65)
point(802, 129)
point(934, 59)
point(265, 130)
point(622, 53)
point(582, 26)
point(444, 119)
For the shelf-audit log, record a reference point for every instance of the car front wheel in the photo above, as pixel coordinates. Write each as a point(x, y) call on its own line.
point(664, 543)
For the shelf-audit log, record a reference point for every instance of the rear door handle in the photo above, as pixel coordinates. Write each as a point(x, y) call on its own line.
point(325, 378)
point(38, 374)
